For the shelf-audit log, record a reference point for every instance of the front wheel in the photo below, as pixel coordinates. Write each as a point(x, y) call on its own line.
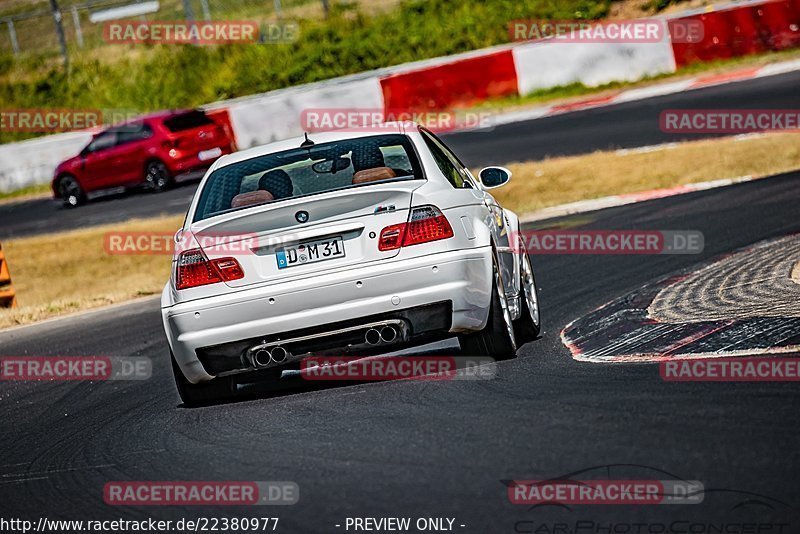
point(529, 324)
point(497, 339)
point(217, 390)
point(157, 176)
point(71, 192)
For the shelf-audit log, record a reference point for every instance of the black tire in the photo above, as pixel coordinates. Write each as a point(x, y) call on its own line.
point(70, 191)
point(157, 177)
point(529, 325)
point(496, 340)
point(217, 390)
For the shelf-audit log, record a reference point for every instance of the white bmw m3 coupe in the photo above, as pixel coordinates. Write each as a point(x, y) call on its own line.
point(348, 244)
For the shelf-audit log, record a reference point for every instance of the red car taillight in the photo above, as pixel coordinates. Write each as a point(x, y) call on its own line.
point(425, 224)
point(171, 143)
point(195, 270)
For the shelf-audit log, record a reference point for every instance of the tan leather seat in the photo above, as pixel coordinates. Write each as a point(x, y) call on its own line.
point(373, 175)
point(252, 198)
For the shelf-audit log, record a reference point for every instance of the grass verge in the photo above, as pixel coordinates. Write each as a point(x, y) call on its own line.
point(57, 274)
point(554, 181)
point(33, 191)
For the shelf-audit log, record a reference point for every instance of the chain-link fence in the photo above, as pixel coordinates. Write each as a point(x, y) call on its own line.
point(33, 26)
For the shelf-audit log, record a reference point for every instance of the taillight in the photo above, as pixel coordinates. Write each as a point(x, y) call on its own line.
point(195, 270)
point(169, 144)
point(425, 224)
point(392, 237)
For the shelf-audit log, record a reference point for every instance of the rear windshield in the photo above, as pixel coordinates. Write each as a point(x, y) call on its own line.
point(308, 171)
point(187, 121)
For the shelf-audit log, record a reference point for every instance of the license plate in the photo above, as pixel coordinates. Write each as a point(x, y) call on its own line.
point(209, 154)
point(310, 252)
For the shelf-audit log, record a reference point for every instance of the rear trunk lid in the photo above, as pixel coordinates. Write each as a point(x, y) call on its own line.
point(307, 236)
point(195, 131)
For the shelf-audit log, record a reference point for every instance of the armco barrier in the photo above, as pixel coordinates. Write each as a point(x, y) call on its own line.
point(8, 298)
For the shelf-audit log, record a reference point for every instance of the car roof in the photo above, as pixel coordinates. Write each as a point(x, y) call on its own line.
point(386, 128)
point(150, 117)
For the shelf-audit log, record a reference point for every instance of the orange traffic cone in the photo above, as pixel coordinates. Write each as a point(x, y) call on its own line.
point(8, 298)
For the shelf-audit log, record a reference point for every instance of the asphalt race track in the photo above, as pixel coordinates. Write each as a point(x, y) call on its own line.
point(433, 449)
point(627, 125)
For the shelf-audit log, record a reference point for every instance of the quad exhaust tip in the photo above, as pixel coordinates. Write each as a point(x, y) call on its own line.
point(265, 357)
point(262, 358)
point(372, 337)
point(386, 334)
point(279, 355)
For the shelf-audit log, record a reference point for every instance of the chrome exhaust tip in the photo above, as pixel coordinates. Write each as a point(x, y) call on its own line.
point(388, 334)
point(279, 355)
point(262, 358)
point(372, 337)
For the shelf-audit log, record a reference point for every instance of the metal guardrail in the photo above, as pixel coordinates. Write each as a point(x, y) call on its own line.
point(71, 26)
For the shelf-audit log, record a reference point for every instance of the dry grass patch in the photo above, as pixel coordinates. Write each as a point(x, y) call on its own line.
point(540, 184)
point(56, 274)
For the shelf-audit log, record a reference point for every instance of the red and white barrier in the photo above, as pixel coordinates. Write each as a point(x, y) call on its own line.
point(460, 83)
point(274, 116)
point(466, 79)
point(740, 29)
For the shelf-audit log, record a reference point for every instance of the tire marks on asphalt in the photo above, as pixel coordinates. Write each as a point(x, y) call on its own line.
point(755, 282)
point(743, 304)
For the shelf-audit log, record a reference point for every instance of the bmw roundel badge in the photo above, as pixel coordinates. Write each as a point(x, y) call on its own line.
point(301, 216)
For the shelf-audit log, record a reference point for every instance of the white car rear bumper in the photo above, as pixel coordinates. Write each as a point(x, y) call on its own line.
point(462, 277)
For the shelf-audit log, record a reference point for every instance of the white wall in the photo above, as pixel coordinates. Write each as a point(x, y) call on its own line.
point(546, 64)
point(32, 162)
point(275, 116)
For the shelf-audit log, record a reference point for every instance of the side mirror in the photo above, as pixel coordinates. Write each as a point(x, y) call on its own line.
point(492, 177)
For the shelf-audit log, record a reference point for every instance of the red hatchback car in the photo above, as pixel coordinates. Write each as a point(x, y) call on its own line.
point(152, 151)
